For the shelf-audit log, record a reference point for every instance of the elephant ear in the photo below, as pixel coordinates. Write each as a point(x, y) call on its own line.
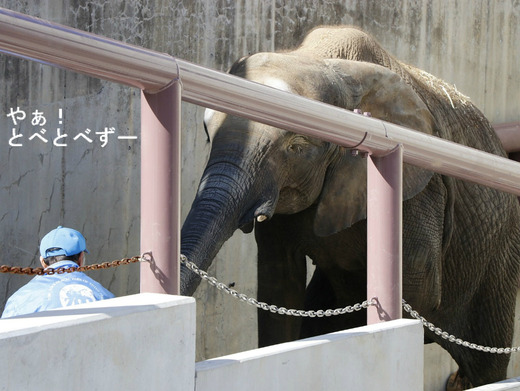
point(343, 200)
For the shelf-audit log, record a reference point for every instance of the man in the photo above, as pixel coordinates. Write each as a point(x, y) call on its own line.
point(60, 248)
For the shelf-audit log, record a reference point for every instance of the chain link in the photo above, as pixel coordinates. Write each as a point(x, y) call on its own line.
point(339, 311)
point(41, 271)
point(451, 338)
point(146, 257)
point(270, 307)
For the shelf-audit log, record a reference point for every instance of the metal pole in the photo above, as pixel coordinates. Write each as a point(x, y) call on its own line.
point(282, 109)
point(509, 134)
point(160, 188)
point(384, 235)
point(54, 44)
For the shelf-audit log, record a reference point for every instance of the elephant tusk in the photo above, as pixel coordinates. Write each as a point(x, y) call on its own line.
point(261, 218)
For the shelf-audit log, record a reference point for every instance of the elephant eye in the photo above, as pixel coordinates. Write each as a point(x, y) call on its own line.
point(297, 144)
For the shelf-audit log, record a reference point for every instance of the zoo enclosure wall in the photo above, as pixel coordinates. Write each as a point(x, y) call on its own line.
point(393, 349)
point(164, 80)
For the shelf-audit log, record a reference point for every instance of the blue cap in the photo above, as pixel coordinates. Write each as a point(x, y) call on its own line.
point(62, 241)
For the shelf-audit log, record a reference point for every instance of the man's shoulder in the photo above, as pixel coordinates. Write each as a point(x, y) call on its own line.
point(28, 299)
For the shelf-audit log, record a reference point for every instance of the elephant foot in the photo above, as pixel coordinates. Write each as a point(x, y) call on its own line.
point(458, 382)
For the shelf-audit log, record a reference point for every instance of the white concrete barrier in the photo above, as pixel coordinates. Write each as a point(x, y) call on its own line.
point(509, 384)
point(147, 342)
point(386, 356)
point(138, 342)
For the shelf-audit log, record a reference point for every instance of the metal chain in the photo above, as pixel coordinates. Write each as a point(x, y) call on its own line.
point(146, 257)
point(452, 338)
point(270, 307)
point(41, 271)
point(339, 311)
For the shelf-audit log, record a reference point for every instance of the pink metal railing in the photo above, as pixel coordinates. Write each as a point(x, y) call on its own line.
point(384, 235)
point(509, 135)
point(261, 103)
point(161, 188)
point(158, 76)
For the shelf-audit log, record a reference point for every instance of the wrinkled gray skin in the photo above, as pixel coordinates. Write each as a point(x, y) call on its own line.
point(460, 240)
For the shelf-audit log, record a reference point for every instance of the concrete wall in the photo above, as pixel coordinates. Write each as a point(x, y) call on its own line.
point(510, 384)
point(473, 44)
point(147, 341)
point(385, 356)
point(138, 342)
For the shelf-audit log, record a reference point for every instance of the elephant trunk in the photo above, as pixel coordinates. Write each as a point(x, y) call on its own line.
point(202, 239)
point(223, 203)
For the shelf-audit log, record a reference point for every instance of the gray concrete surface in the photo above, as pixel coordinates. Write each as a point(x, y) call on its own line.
point(384, 356)
point(102, 345)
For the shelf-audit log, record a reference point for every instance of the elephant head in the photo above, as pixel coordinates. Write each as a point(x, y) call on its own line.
point(256, 171)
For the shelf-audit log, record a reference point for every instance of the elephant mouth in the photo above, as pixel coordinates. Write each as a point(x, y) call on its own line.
point(257, 214)
point(247, 228)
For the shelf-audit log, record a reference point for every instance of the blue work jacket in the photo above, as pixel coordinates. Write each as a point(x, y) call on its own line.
point(55, 291)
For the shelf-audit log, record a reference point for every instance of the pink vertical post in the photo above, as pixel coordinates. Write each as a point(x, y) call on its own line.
point(160, 189)
point(384, 235)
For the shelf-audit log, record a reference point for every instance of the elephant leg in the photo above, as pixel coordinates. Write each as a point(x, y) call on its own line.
point(476, 368)
point(489, 322)
point(428, 219)
point(328, 291)
point(282, 273)
point(458, 382)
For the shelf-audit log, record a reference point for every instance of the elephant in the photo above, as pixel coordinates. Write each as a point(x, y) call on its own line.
point(305, 197)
